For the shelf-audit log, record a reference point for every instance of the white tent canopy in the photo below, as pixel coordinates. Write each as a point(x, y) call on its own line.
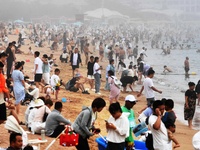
point(103, 12)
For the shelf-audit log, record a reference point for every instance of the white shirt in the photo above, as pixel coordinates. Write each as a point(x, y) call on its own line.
point(38, 62)
point(130, 72)
point(96, 66)
point(65, 55)
point(75, 57)
point(148, 83)
point(40, 113)
point(122, 131)
point(54, 80)
point(31, 116)
point(160, 137)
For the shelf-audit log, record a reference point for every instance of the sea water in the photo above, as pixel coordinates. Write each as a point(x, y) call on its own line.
point(174, 84)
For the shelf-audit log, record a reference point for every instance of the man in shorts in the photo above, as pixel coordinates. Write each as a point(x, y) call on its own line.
point(75, 59)
point(38, 69)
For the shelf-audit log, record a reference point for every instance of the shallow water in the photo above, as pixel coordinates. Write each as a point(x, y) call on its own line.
point(174, 84)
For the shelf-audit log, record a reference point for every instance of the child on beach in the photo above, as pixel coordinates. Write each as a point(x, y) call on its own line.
point(55, 82)
point(169, 116)
point(170, 130)
point(114, 89)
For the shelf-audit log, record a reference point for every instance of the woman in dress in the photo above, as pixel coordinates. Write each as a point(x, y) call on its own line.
point(190, 103)
point(18, 85)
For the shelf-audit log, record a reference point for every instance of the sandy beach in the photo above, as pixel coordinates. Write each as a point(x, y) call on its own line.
point(77, 100)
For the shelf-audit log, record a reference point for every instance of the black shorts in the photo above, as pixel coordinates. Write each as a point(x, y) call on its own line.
point(38, 77)
point(73, 89)
point(57, 88)
point(3, 111)
point(74, 67)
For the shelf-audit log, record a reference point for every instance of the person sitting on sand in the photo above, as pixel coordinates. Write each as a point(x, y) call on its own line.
point(76, 84)
point(53, 125)
point(31, 89)
point(41, 114)
point(11, 111)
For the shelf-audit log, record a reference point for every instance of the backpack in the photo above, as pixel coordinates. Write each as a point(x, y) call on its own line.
point(149, 138)
point(67, 86)
point(116, 82)
point(149, 141)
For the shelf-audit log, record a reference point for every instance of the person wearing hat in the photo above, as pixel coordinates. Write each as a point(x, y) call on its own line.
point(76, 84)
point(130, 101)
point(31, 111)
point(45, 69)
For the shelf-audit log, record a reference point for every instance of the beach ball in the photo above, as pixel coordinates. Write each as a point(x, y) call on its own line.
point(64, 100)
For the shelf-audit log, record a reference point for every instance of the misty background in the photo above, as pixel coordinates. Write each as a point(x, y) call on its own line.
point(186, 10)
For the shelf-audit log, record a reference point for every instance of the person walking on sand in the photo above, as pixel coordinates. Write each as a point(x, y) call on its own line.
point(75, 59)
point(85, 121)
point(38, 70)
point(186, 67)
point(97, 75)
point(18, 85)
point(149, 88)
point(190, 103)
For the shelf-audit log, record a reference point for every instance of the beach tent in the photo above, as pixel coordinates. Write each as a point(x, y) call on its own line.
point(18, 21)
point(103, 13)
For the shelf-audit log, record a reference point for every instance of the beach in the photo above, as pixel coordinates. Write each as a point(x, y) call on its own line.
point(75, 101)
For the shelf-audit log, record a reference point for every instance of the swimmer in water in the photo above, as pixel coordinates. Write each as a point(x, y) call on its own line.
point(166, 69)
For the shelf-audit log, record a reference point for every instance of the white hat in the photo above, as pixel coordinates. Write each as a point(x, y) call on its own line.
point(130, 98)
point(37, 103)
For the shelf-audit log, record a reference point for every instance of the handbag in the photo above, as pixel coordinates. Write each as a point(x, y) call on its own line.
point(69, 138)
point(45, 115)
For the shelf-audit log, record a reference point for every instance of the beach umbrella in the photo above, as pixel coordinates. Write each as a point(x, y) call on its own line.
point(13, 125)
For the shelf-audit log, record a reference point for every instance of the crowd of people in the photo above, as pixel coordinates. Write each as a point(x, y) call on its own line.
point(106, 45)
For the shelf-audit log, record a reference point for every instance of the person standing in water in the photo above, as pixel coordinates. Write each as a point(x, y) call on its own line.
point(186, 67)
point(190, 103)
